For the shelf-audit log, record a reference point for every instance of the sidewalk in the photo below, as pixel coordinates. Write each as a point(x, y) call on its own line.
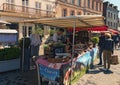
point(97, 76)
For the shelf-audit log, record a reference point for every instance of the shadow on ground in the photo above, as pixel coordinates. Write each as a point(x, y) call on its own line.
point(17, 77)
point(98, 69)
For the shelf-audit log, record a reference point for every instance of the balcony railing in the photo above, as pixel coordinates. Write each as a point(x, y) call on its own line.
point(11, 8)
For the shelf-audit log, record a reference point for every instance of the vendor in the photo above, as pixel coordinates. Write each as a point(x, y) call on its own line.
point(68, 45)
point(59, 36)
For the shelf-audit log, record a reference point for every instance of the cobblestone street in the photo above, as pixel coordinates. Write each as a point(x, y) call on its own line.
point(95, 76)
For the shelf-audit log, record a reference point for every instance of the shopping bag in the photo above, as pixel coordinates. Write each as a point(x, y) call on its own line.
point(114, 59)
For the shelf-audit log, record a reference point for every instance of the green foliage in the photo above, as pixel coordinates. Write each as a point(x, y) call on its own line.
point(46, 46)
point(9, 53)
point(52, 32)
point(95, 39)
point(38, 30)
point(26, 43)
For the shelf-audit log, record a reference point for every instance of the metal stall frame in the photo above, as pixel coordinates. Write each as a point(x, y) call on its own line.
point(83, 21)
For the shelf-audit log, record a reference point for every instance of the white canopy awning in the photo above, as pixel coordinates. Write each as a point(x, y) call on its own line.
point(68, 22)
point(4, 22)
point(9, 31)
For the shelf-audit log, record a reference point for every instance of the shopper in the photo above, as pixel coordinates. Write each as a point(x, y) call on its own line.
point(101, 44)
point(116, 40)
point(35, 44)
point(108, 50)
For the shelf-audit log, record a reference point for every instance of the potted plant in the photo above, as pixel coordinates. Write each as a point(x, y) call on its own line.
point(9, 59)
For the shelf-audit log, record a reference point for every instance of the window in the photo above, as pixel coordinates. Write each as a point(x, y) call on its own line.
point(10, 1)
point(97, 6)
point(111, 15)
point(24, 30)
point(49, 9)
point(79, 13)
point(92, 4)
point(72, 1)
point(72, 12)
point(25, 5)
point(114, 24)
point(114, 16)
point(38, 7)
point(10, 7)
point(108, 14)
point(29, 30)
point(79, 2)
point(65, 0)
point(88, 3)
point(100, 6)
point(111, 24)
point(25, 2)
point(64, 12)
point(108, 23)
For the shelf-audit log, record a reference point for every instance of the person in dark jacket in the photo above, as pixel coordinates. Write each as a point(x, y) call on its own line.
point(108, 50)
point(101, 44)
point(116, 40)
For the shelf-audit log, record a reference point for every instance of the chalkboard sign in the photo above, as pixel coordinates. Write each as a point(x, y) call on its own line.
point(60, 49)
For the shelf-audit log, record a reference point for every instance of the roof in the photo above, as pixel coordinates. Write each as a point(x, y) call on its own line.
point(68, 22)
point(8, 31)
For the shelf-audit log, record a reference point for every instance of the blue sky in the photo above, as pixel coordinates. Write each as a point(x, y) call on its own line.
point(116, 3)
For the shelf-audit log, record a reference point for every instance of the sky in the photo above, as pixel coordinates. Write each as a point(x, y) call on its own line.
point(116, 3)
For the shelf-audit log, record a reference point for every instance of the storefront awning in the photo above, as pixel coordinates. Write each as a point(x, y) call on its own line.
point(82, 21)
point(97, 28)
point(114, 31)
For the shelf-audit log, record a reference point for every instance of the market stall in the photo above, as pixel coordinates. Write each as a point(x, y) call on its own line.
point(65, 68)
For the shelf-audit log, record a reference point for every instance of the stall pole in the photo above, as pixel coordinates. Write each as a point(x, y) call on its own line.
point(23, 47)
point(73, 45)
point(38, 74)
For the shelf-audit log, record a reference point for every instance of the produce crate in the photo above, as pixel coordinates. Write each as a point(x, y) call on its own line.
point(58, 60)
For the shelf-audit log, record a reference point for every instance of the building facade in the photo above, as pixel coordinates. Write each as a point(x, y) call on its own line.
point(78, 7)
point(15, 11)
point(110, 12)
